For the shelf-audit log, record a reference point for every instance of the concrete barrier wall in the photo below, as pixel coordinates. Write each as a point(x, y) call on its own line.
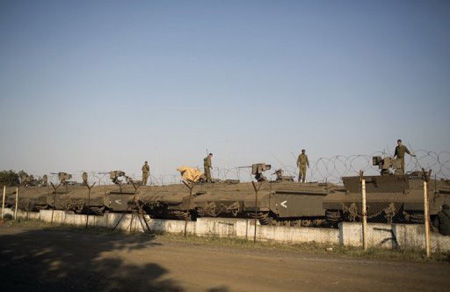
point(349, 234)
point(392, 236)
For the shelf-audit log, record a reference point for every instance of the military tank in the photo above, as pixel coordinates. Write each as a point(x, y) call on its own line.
point(30, 198)
point(74, 197)
point(277, 203)
point(391, 197)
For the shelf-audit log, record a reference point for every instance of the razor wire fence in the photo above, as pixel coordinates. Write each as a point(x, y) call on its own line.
point(332, 169)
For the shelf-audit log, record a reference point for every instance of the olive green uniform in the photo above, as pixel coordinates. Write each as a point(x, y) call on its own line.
point(207, 165)
point(302, 163)
point(400, 153)
point(145, 173)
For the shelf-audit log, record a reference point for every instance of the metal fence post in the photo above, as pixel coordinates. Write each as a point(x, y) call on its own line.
point(17, 203)
point(55, 189)
point(88, 203)
point(427, 218)
point(190, 186)
point(256, 207)
point(3, 201)
point(364, 211)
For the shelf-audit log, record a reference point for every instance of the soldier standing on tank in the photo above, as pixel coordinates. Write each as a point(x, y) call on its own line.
point(145, 173)
point(442, 220)
point(302, 163)
point(207, 164)
point(400, 151)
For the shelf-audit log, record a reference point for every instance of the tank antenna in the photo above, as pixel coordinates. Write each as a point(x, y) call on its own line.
point(388, 151)
point(282, 164)
point(417, 160)
point(415, 156)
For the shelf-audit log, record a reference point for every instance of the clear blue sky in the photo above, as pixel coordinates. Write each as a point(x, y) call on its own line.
point(102, 85)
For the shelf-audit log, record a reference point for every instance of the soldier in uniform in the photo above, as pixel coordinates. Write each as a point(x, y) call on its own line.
point(207, 164)
point(302, 163)
point(145, 173)
point(44, 180)
point(400, 151)
point(442, 220)
point(84, 177)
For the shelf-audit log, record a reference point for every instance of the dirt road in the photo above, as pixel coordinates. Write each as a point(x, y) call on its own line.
point(38, 259)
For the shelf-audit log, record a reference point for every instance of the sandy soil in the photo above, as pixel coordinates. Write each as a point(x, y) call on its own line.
point(43, 259)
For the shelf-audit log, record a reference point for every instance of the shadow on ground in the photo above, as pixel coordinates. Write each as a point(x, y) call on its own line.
point(65, 260)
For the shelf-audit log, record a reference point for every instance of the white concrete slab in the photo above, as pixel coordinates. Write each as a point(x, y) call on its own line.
point(349, 234)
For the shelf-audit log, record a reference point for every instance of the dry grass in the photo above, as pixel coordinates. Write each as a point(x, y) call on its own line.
point(315, 248)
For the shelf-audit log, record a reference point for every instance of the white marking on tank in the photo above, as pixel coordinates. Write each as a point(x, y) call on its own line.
point(283, 204)
point(118, 202)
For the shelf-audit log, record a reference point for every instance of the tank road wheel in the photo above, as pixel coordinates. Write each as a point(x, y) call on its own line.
point(318, 222)
point(415, 217)
point(264, 218)
point(306, 223)
point(234, 209)
point(333, 217)
point(208, 209)
point(180, 215)
point(418, 218)
point(98, 210)
point(296, 223)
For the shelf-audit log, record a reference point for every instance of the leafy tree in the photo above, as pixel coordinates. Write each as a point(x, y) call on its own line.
point(9, 178)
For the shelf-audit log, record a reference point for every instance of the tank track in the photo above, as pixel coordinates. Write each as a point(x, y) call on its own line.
point(263, 218)
point(180, 215)
point(415, 217)
point(267, 218)
point(333, 217)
